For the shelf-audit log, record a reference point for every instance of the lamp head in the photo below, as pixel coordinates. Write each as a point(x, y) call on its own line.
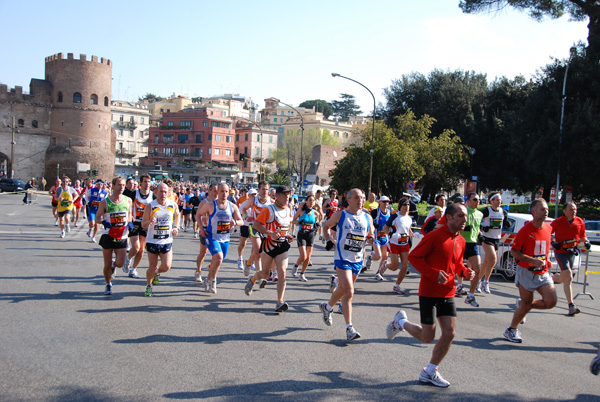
point(335, 75)
point(573, 51)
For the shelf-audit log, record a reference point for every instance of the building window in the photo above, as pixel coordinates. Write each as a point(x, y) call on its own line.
point(183, 151)
point(345, 135)
point(141, 120)
point(205, 123)
point(270, 139)
point(106, 101)
point(182, 138)
point(120, 147)
point(237, 150)
point(282, 113)
point(257, 152)
point(76, 97)
point(60, 97)
point(34, 124)
point(121, 118)
point(185, 123)
point(210, 137)
point(131, 119)
point(214, 124)
point(226, 125)
point(258, 137)
point(246, 150)
point(237, 137)
point(209, 151)
point(199, 138)
point(168, 138)
point(141, 134)
point(94, 99)
point(120, 133)
point(170, 124)
point(217, 151)
point(168, 150)
point(131, 147)
point(228, 152)
point(245, 163)
point(217, 137)
point(246, 137)
point(130, 133)
point(21, 123)
point(156, 138)
point(228, 138)
point(198, 152)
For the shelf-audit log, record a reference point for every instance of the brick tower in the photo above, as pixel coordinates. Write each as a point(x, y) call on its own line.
point(80, 121)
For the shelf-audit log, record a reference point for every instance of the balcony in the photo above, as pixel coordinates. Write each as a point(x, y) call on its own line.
point(175, 127)
point(125, 153)
point(126, 124)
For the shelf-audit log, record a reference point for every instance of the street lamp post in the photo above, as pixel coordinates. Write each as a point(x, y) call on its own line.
point(572, 51)
point(301, 139)
point(471, 154)
point(373, 132)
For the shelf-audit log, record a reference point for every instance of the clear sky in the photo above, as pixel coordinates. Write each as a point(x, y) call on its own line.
point(281, 49)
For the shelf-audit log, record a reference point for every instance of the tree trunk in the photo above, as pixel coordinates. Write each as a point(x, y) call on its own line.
point(594, 36)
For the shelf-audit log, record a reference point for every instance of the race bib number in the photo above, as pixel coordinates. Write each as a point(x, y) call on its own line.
point(161, 232)
point(65, 203)
point(380, 235)
point(403, 239)
point(354, 242)
point(495, 223)
point(306, 228)
point(569, 243)
point(118, 219)
point(282, 230)
point(223, 227)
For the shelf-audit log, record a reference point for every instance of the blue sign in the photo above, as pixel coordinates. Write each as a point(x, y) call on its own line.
point(305, 183)
point(411, 185)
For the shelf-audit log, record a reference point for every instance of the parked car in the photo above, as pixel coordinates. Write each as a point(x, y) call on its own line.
point(12, 185)
point(592, 230)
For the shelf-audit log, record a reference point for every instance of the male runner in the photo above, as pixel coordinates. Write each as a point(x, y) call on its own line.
point(211, 195)
point(440, 201)
point(439, 258)
point(66, 196)
point(54, 201)
point(494, 220)
point(355, 227)
point(371, 204)
point(274, 222)
point(221, 214)
point(95, 196)
point(187, 208)
point(114, 212)
point(160, 220)
point(140, 199)
point(569, 231)
point(471, 234)
point(380, 216)
point(530, 249)
point(244, 229)
point(194, 202)
point(252, 209)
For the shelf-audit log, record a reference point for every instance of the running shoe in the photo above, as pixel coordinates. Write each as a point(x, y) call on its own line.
point(332, 283)
point(148, 291)
point(513, 335)
point(573, 310)
point(134, 274)
point(76, 225)
point(263, 283)
point(68, 228)
point(327, 314)
point(195, 235)
point(156, 279)
point(198, 277)
point(249, 286)
point(213, 286)
point(130, 265)
point(368, 262)
point(517, 305)
point(595, 365)
point(89, 233)
point(281, 307)
point(295, 271)
point(56, 223)
point(125, 267)
point(351, 333)
point(246, 268)
point(108, 290)
point(340, 310)
point(112, 268)
point(93, 240)
point(485, 287)
point(394, 327)
point(460, 291)
point(309, 263)
point(252, 267)
point(62, 234)
point(398, 290)
point(275, 278)
point(302, 278)
point(240, 265)
point(470, 300)
point(435, 379)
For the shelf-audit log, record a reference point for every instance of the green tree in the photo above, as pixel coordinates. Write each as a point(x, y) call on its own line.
point(320, 105)
point(578, 10)
point(150, 97)
point(277, 178)
point(288, 156)
point(346, 107)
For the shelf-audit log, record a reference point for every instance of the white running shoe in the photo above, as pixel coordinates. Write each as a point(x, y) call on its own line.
point(240, 265)
point(398, 290)
point(195, 235)
point(435, 379)
point(134, 274)
point(394, 327)
point(125, 267)
point(295, 271)
point(246, 268)
point(378, 277)
point(302, 278)
point(93, 240)
point(68, 228)
point(62, 234)
point(485, 287)
point(327, 314)
point(56, 223)
point(198, 277)
point(351, 334)
point(213, 286)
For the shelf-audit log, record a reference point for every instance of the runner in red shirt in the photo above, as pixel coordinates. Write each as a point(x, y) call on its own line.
point(569, 231)
point(530, 249)
point(439, 258)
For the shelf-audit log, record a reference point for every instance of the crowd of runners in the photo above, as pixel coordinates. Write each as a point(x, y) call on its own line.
point(137, 218)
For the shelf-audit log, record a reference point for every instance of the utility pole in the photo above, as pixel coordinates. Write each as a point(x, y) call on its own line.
point(12, 150)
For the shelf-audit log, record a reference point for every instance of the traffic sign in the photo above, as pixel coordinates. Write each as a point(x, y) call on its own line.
point(410, 185)
point(305, 183)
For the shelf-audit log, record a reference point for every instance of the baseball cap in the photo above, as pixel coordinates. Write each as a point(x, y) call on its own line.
point(384, 198)
point(403, 202)
point(252, 191)
point(282, 189)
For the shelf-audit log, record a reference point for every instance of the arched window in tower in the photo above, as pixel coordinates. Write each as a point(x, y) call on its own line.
point(76, 97)
point(59, 97)
point(94, 99)
point(106, 101)
point(21, 123)
point(34, 124)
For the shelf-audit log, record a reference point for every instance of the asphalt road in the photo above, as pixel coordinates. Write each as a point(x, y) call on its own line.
point(61, 339)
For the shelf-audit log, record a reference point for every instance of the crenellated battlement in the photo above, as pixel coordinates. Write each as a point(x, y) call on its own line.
point(13, 94)
point(82, 57)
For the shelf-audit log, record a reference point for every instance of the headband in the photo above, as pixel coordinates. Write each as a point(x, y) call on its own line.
point(494, 196)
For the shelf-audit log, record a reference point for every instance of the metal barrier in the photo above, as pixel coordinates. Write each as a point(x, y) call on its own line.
point(587, 257)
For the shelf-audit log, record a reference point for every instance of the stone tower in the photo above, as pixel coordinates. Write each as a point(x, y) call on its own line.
point(80, 121)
